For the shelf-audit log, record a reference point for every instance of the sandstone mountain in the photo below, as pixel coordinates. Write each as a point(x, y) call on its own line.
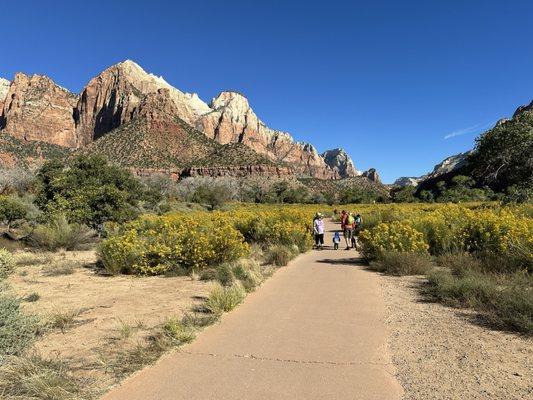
point(34, 109)
point(232, 120)
point(340, 162)
point(156, 140)
point(110, 100)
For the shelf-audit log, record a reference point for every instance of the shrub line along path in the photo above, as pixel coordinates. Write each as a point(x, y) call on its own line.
point(315, 330)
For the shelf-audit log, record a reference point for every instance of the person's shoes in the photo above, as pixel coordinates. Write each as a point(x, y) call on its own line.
point(347, 248)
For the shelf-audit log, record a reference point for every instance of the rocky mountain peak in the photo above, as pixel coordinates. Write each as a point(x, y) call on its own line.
point(372, 175)
point(35, 108)
point(339, 160)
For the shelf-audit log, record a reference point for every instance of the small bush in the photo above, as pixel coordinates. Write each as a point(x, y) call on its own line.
point(248, 271)
point(459, 264)
point(17, 330)
point(199, 320)
point(59, 268)
point(63, 319)
point(224, 274)
point(223, 299)
point(133, 359)
point(279, 255)
point(36, 378)
point(7, 263)
point(59, 234)
point(399, 264)
point(32, 297)
point(178, 331)
point(12, 209)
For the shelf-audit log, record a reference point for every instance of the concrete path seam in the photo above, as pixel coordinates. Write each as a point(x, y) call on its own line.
point(253, 357)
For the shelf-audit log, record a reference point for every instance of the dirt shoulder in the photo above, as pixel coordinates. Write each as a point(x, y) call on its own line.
point(442, 353)
point(109, 313)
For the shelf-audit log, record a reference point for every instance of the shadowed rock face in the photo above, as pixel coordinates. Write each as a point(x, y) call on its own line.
point(111, 99)
point(340, 161)
point(35, 108)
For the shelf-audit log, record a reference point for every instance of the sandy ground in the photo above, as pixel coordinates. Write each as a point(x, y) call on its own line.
point(440, 353)
point(104, 305)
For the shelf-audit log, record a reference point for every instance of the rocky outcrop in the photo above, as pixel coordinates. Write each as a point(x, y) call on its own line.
point(372, 175)
point(111, 99)
point(232, 120)
point(449, 164)
point(339, 161)
point(408, 181)
point(239, 172)
point(35, 108)
point(4, 88)
point(523, 109)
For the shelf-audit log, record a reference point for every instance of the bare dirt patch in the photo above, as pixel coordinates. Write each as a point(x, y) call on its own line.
point(103, 314)
point(441, 353)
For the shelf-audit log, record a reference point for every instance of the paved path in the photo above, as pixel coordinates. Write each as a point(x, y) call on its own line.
point(313, 331)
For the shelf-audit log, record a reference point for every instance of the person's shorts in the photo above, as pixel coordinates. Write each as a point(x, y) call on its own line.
point(348, 233)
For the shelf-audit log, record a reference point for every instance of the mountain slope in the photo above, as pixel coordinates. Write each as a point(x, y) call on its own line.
point(232, 120)
point(156, 139)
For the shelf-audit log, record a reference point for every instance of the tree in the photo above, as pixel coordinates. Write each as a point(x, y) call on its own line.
point(88, 190)
point(502, 156)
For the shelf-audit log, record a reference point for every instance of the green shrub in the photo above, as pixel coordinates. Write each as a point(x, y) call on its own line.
point(17, 330)
point(399, 264)
point(7, 263)
point(12, 209)
point(89, 191)
point(178, 331)
point(60, 234)
point(223, 299)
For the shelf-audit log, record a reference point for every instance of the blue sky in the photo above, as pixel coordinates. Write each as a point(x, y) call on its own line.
point(399, 84)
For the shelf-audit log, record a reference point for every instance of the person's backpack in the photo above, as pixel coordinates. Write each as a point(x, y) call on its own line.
point(350, 220)
point(358, 221)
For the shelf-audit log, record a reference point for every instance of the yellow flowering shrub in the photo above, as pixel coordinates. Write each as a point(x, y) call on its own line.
point(395, 236)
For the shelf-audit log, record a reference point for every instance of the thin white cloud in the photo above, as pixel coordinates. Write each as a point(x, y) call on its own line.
point(464, 131)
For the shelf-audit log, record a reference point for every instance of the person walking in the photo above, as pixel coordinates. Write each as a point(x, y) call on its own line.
point(318, 231)
point(336, 240)
point(349, 226)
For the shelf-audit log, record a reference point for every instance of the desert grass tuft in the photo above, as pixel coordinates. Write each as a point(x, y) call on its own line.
point(35, 378)
point(223, 299)
point(63, 320)
point(400, 263)
point(32, 297)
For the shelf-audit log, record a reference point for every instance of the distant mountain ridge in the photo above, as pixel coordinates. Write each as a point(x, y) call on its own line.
point(35, 109)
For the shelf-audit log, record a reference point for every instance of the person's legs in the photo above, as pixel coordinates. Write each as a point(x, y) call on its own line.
point(346, 234)
point(321, 240)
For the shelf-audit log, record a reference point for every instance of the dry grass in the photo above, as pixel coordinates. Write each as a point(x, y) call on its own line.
point(35, 378)
point(223, 299)
point(63, 319)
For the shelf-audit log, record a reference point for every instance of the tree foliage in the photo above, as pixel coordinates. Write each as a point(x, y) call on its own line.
point(89, 190)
